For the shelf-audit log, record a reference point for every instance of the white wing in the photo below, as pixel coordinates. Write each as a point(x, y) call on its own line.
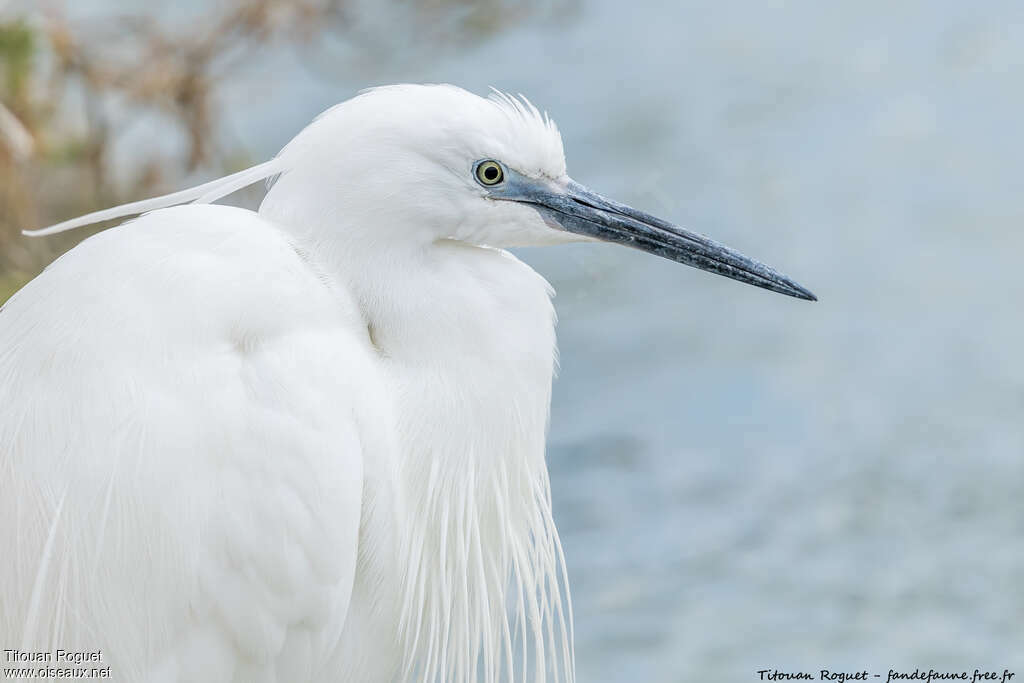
point(186, 408)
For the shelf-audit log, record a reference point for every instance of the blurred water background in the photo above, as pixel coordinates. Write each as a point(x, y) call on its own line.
point(745, 481)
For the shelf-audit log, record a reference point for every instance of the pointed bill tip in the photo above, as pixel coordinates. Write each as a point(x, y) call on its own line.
point(799, 292)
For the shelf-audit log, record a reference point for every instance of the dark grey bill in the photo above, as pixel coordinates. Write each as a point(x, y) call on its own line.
point(578, 210)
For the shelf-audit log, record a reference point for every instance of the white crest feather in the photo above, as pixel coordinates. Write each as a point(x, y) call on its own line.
point(200, 194)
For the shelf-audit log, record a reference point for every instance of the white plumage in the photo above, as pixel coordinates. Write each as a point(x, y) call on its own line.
point(216, 422)
point(307, 444)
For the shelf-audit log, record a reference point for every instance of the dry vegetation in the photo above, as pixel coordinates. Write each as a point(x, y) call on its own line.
point(58, 80)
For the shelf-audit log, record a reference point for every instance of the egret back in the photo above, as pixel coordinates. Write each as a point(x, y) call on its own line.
point(186, 411)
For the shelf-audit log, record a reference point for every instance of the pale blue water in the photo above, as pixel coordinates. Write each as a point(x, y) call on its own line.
point(745, 481)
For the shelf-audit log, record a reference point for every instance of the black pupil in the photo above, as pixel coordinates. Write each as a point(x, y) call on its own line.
point(491, 173)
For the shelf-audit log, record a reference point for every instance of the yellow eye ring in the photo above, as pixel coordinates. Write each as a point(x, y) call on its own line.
point(489, 172)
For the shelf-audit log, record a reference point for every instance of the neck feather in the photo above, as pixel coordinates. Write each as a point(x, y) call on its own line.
point(470, 350)
point(486, 590)
point(466, 341)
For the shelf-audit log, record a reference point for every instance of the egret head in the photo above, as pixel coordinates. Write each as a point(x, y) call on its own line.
point(409, 165)
point(434, 162)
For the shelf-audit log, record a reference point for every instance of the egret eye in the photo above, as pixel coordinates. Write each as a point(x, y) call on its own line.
point(489, 172)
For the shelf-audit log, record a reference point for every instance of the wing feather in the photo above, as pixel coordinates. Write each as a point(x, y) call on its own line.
point(185, 407)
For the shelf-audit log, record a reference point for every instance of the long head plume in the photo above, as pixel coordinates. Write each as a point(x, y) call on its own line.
point(200, 194)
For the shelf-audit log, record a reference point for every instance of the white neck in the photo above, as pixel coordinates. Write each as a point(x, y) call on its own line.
point(466, 341)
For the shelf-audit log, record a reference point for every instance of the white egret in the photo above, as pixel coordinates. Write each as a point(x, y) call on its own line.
point(307, 443)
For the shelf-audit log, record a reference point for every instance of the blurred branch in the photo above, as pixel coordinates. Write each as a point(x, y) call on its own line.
point(15, 136)
point(178, 71)
point(67, 87)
